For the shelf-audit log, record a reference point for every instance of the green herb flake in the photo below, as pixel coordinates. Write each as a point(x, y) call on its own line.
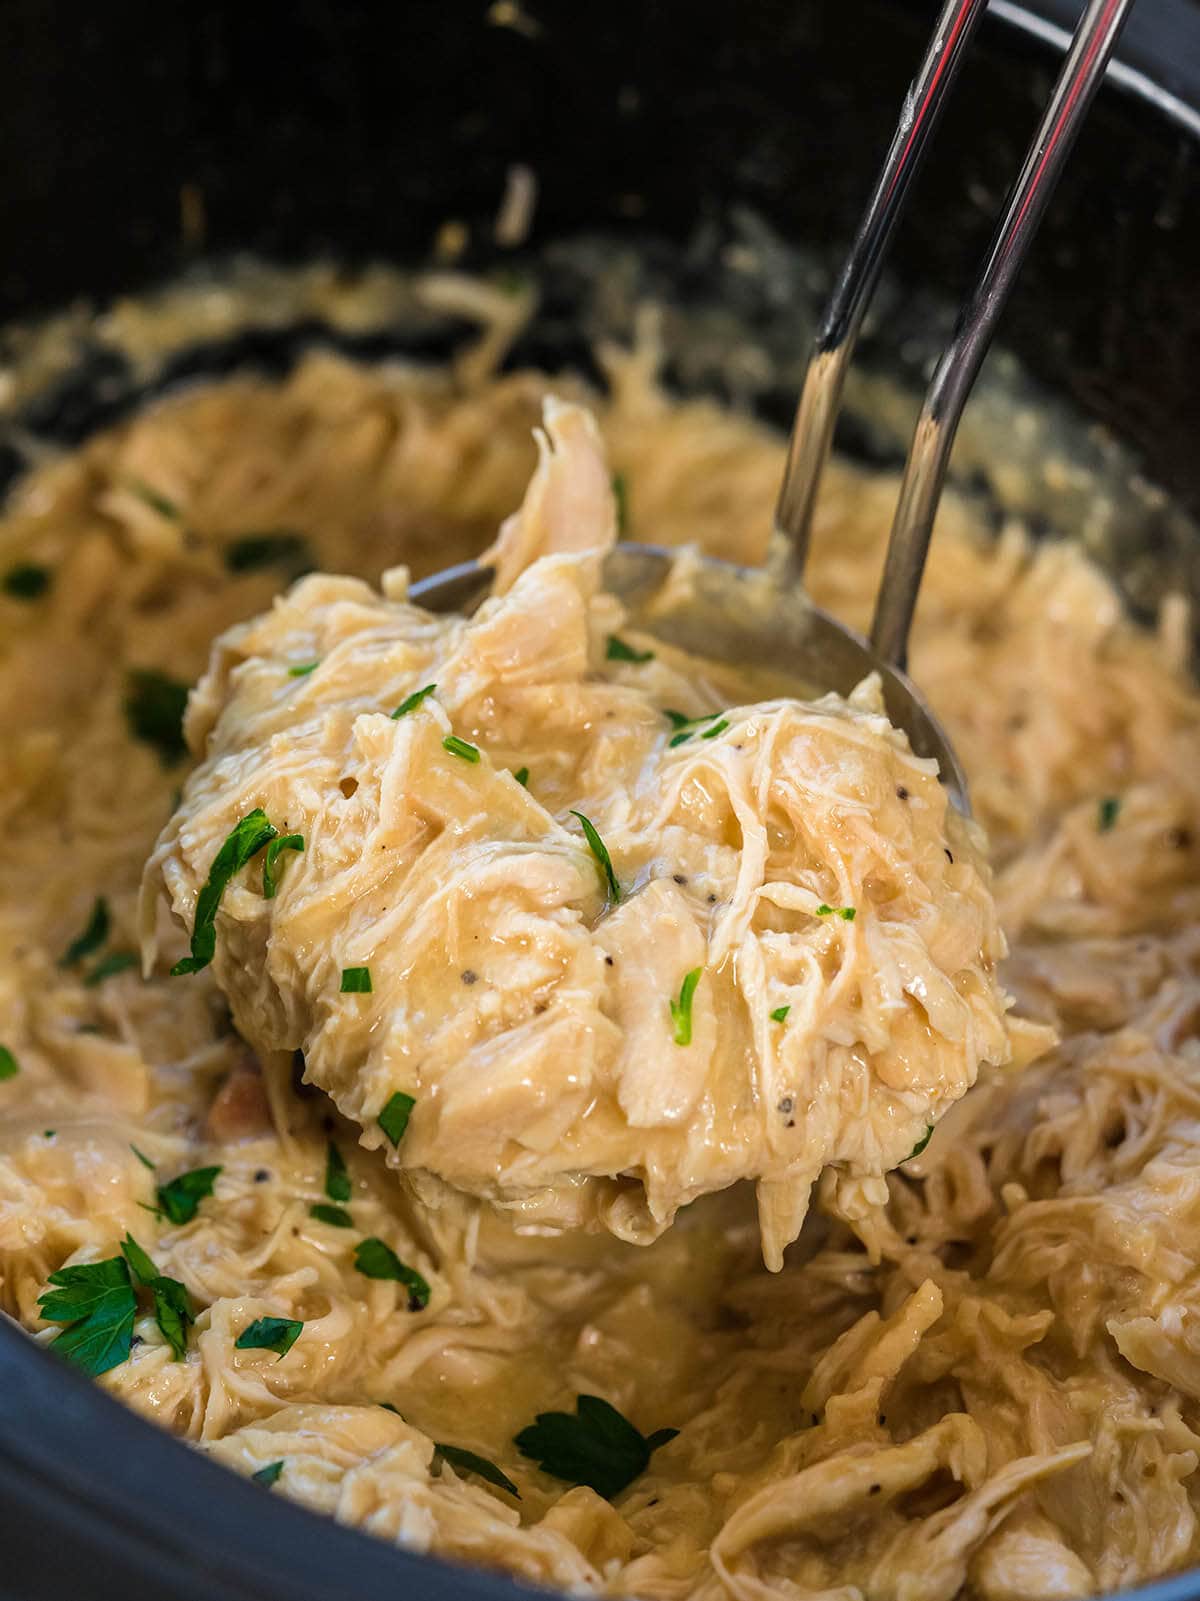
point(356, 981)
point(283, 842)
point(413, 701)
point(846, 913)
point(620, 489)
point(9, 1066)
point(464, 1461)
point(681, 1010)
point(685, 727)
point(154, 498)
point(780, 1014)
point(154, 708)
point(268, 1475)
point(144, 1160)
point(460, 747)
point(172, 1305)
point(336, 1216)
point(375, 1259)
point(600, 851)
point(97, 1303)
point(179, 1200)
point(245, 842)
point(393, 1120)
point(277, 1334)
point(26, 581)
point(717, 728)
point(597, 1446)
point(921, 1144)
point(109, 966)
point(618, 651)
point(303, 669)
point(1107, 812)
point(676, 719)
point(93, 936)
point(337, 1177)
point(252, 552)
point(522, 777)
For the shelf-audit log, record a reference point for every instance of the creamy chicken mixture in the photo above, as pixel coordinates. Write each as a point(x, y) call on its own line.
point(989, 1384)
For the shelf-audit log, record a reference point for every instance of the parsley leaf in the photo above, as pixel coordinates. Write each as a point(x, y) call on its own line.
point(270, 1334)
point(413, 701)
point(600, 851)
point(179, 1199)
point(921, 1144)
point(1107, 812)
point(460, 747)
point(336, 1216)
point(93, 936)
point(337, 1179)
point(618, 651)
point(356, 981)
point(172, 1307)
point(26, 581)
point(283, 842)
point(303, 669)
point(393, 1120)
point(254, 551)
point(268, 1475)
point(376, 1260)
point(522, 777)
point(154, 498)
point(96, 1301)
point(144, 1160)
point(686, 726)
point(780, 1012)
point(597, 1447)
point(464, 1461)
point(846, 913)
point(109, 966)
point(9, 1066)
point(715, 729)
point(154, 708)
point(245, 841)
point(681, 1010)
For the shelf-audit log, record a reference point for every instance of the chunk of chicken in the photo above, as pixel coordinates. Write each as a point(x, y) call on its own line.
point(793, 964)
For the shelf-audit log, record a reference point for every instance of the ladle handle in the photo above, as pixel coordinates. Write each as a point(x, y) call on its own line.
point(834, 341)
point(929, 454)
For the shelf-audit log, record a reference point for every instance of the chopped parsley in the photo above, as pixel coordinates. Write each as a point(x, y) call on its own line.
point(621, 497)
point(154, 498)
point(460, 747)
point(618, 651)
point(597, 1446)
point(921, 1144)
point(282, 842)
point(715, 729)
point(413, 701)
point(245, 841)
point(179, 1200)
point(780, 1013)
point(600, 851)
point(109, 966)
point(336, 1216)
point(9, 1066)
point(356, 981)
point(254, 551)
point(464, 1461)
point(268, 1475)
point(375, 1259)
point(847, 913)
point(337, 1178)
point(172, 1305)
point(522, 777)
point(154, 708)
point(685, 727)
point(97, 1303)
point(144, 1160)
point(302, 669)
point(1107, 812)
point(681, 1010)
point(270, 1334)
point(393, 1120)
point(93, 936)
point(27, 581)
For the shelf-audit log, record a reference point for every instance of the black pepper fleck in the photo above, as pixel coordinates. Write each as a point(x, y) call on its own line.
point(608, 961)
point(875, 1489)
point(261, 1176)
point(1179, 839)
point(791, 1123)
point(949, 855)
point(679, 878)
point(469, 975)
point(712, 900)
point(414, 1305)
point(901, 792)
point(786, 1104)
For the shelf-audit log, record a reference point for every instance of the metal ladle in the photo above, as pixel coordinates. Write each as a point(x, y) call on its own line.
point(762, 615)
